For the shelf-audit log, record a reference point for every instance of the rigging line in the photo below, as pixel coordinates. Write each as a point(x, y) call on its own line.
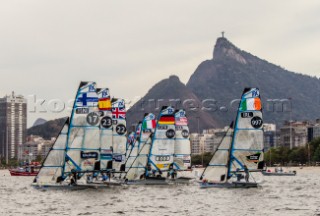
point(137, 156)
point(249, 172)
point(216, 150)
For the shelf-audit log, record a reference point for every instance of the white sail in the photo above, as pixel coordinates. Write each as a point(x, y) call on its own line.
point(217, 169)
point(182, 147)
point(52, 166)
point(147, 128)
point(83, 143)
point(247, 145)
point(138, 168)
point(106, 128)
point(162, 149)
point(135, 148)
point(119, 133)
point(130, 143)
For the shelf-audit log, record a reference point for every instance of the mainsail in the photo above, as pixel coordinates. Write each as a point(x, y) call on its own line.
point(162, 150)
point(139, 166)
point(52, 166)
point(119, 133)
point(247, 142)
point(182, 147)
point(134, 149)
point(83, 142)
point(217, 168)
point(106, 128)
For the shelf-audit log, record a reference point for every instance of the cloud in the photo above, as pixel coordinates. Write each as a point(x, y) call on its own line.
point(48, 47)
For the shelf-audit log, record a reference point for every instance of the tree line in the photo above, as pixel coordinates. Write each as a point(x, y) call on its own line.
point(279, 155)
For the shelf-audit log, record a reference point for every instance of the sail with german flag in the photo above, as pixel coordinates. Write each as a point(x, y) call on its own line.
point(162, 149)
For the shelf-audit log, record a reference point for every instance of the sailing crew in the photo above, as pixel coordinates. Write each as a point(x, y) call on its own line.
point(246, 171)
point(73, 178)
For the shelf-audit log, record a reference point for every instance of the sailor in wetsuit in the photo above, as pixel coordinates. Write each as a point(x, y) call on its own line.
point(246, 171)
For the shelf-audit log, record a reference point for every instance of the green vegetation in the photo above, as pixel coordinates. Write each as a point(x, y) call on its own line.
point(280, 155)
point(300, 155)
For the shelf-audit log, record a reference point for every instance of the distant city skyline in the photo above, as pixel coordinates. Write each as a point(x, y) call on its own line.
point(47, 48)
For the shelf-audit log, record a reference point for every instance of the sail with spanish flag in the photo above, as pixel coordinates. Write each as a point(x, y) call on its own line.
point(106, 128)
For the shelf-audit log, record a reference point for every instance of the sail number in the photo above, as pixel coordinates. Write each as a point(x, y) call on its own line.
point(162, 127)
point(106, 122)
point(92, 118)
point(170, 133)
point(163, 158)
point(185, 133)
point(247, 115)
point(256, 122)
point(121, 129)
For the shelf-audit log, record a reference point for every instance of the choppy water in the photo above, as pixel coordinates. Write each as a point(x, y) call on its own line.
point(298, 195)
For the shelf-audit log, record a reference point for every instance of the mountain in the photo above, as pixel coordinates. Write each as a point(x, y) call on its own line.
point(171, 92)
point(39, 121)
point(48, 129)
point(231, 69)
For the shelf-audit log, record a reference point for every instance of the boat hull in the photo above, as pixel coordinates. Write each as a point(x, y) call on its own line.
point(148, 181)
point(181, 180)
point(22, 173)
point(229, 185)
point(72, 187)
point(279, 174)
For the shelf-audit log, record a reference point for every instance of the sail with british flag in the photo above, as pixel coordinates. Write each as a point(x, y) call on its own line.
point(119, 133)
point(84, 147)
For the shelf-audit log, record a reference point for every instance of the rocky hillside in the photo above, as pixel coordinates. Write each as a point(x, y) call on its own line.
point(230, 70)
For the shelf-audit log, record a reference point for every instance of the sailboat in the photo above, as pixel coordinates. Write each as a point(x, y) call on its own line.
point(119, 138)
point(162, 149)
point(241, 150)
point(137, 172)
point(133, 147)
point(182, 148)
point(83, 148)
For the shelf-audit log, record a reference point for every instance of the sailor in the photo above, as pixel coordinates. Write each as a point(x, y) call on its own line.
point(246, 171)
point(73, 177)
point(238, 175)
point(104, 177)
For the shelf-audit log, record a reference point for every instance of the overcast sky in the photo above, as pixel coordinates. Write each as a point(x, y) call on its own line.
point(48, 47)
